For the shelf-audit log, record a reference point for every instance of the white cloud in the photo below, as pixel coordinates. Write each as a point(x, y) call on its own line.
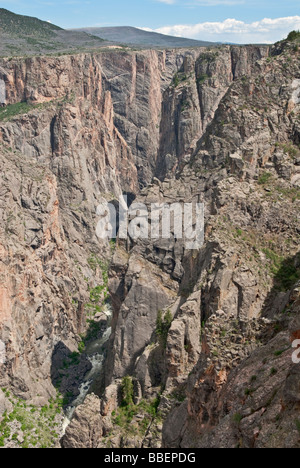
point(169, 2)
point(190, 3)
point(266, 30)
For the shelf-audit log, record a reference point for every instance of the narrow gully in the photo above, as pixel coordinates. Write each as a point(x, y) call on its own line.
point(95, 352)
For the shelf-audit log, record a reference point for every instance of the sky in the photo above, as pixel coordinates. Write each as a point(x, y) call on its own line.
point(238, 21)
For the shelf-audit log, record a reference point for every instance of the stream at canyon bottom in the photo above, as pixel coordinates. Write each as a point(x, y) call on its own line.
point(95, 352)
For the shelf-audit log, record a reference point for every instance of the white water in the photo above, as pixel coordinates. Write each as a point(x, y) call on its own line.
point(94, 351)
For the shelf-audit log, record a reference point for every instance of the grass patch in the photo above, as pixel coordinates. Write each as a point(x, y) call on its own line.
point(21, 108)
point(264, 178)
point(288, 148)
point(10, 111)
point(39, 425)
point(285, 271)
point(292, 193)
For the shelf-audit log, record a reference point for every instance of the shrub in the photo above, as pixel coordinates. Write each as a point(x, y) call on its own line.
point(176, 80)
point(81, 347)
point(163, 325)
point(264, 178)
point(237, 418)
point(202, 78)
point(127, 391)
point(273, 371)
point(294, 36)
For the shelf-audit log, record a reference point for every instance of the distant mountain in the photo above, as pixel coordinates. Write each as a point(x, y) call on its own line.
point(24, 35)
point(138, 37)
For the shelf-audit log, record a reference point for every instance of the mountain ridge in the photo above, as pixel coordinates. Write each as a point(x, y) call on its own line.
point(135, 36)
point(25, 35)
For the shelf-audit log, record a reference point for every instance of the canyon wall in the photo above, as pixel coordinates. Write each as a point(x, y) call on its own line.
point(213, 125)
point(94, 131)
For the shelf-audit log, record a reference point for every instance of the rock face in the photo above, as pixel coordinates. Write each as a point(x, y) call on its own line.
point(254, 406)
point(191, 328)
point(224, 290)
point(85, 430)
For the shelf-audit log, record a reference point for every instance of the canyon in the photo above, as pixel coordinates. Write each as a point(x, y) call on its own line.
point(198, 343)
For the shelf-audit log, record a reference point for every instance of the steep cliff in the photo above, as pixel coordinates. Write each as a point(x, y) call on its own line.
point(218, 126)
point(230, 299)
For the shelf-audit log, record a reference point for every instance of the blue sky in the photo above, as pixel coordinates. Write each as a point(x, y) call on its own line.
point(220, 20)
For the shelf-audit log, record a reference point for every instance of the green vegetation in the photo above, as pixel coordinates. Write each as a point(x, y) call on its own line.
point(97, 300)
point(81, 346)
point(294, 36)
point(179, 78)
point(12, 110)
point(99, 294)
point(176, 80)
point(127, 391)
point(202, 78)
point(92, 333)
point(11, 23)
point(289, 149)
point(72, 360)
point(287, 274)
point(95, 262)
point(25, 36)
point(280, 352)
point(163, 325)
point(21, 108)
point(237, 418)
point(178, 395)
point(285, 271)
point(185, 105)
point(273, 371)
point(209, 57)
point(264, 178)
point(40, 426)
point(293, 193)
point(124, 415)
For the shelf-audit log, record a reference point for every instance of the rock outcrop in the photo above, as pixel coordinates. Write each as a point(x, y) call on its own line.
point(86, 428)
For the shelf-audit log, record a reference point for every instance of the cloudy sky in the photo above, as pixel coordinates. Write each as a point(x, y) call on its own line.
point(239, 21)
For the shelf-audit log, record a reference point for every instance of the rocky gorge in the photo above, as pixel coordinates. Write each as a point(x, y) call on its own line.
point(199, 353)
